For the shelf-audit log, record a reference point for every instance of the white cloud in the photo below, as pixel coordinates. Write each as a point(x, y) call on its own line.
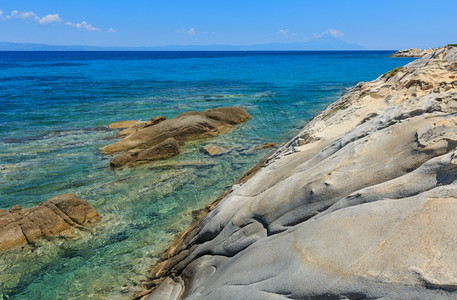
point(55, 18)
point(83, 25)
point(21, 15)
point(191, 31)
point(283, 31)
point(331, 32)
point(185, 31)
point(50, 19)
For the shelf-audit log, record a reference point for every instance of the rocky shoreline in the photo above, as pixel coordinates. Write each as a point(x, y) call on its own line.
point(413, 52)
point(361, 204)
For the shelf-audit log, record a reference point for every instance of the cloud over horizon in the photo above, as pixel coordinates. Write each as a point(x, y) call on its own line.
point(191, 31)
point(48, 19)
point(283, 31)
point(82, 25)
point(286, 32)
point(51, 19)
point(331, 32)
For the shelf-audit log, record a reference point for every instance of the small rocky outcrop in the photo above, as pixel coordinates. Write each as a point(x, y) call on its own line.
point(58, 216)
point(413, 52)
point(361, 204)
point(214, 150)
point(142, 140)
point(166, 149)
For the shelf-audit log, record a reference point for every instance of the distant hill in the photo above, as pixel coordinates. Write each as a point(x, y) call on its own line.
point(322, 43)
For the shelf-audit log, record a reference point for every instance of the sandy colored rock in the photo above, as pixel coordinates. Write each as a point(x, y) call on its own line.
point(135, 127)
point(168, 148)
point(123, 124)
point(361, 204)
point(214, 150)
point(56, 216)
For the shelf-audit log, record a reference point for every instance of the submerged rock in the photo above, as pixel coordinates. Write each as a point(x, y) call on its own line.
point(361, 204)
point(214, 150)
point(187, 126)
point(57, 216)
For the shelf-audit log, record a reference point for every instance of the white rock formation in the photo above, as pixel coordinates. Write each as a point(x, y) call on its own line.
point(361, 204)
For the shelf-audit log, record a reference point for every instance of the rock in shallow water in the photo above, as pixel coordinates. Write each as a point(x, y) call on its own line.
point(214, 150)
point(164, 150)
point(362, 203)
point(187, 126)
point(57, 216)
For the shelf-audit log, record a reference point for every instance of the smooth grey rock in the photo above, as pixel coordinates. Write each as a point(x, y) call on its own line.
point(361, 204)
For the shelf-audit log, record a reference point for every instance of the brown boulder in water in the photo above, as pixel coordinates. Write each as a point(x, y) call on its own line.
point(168, 148)
point(57, 216)
point(186, 126)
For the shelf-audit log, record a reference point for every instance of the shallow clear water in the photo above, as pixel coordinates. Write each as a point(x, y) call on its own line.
point(53, 106)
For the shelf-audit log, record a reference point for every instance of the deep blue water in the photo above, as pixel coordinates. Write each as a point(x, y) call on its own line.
point(53, 109)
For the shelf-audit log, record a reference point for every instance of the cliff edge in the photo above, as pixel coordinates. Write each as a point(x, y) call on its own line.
point(361, 204)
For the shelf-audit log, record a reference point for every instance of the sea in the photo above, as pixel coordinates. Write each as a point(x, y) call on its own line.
point(54, 109)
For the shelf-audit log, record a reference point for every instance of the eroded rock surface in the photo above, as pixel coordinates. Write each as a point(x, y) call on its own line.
point(58, 216)
point(145, 138)
point(361, 204)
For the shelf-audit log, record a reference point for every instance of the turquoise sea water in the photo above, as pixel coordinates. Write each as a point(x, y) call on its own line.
point(53, 109)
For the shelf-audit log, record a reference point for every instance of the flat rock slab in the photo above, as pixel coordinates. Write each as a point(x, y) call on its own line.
point(57, 216)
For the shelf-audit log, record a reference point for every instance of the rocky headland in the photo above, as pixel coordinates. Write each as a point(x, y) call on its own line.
point(361, 204)
point(413, 52)
point(59, 216)
point(160, 138)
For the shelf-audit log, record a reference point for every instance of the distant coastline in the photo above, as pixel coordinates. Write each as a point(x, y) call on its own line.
point(324, 43)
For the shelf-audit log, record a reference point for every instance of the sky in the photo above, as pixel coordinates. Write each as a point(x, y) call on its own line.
point(374, 24)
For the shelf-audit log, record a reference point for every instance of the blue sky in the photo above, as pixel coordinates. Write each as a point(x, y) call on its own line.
point(373, 24)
